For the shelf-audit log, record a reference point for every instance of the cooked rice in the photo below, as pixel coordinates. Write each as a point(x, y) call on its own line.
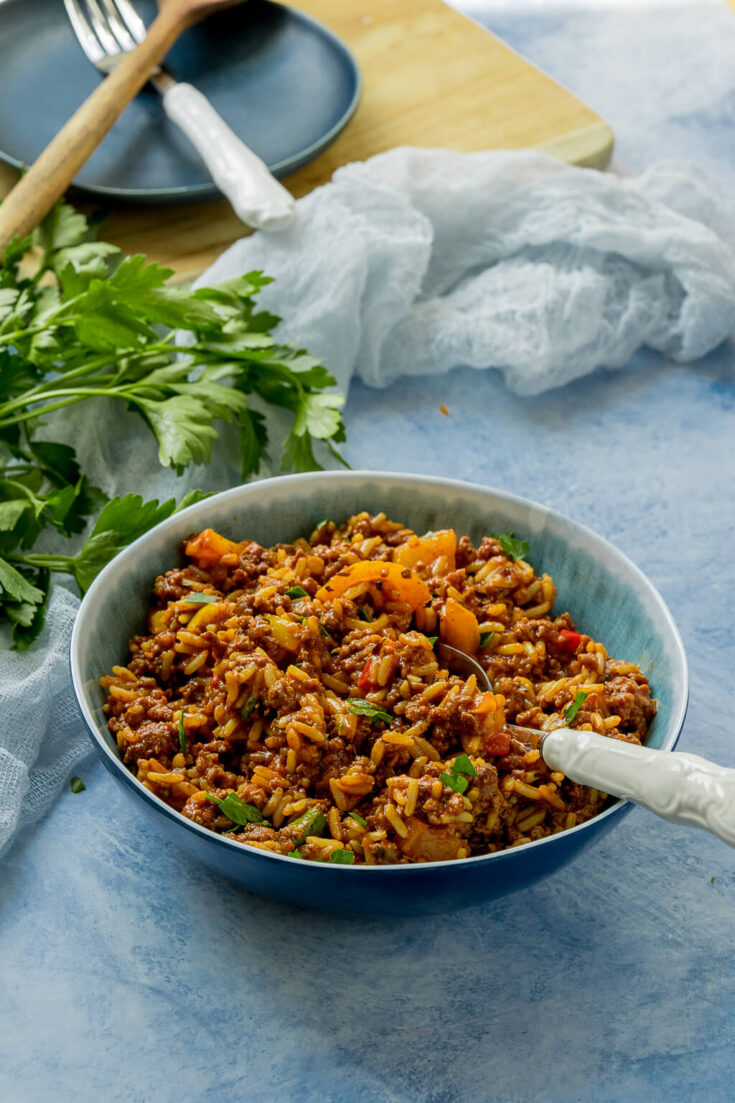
point(261, 683)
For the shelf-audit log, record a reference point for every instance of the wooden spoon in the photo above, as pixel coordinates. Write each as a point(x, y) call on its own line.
point(682, 788)
point(48, 178)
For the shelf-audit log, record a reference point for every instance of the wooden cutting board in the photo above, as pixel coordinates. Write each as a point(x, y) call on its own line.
point(432, 78)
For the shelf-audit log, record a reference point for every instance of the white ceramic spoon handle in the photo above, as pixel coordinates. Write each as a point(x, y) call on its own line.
point(683, 788)
point(256, 196)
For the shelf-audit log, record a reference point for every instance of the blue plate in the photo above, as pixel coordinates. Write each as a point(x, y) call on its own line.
point(605, 593)
point(284, 83)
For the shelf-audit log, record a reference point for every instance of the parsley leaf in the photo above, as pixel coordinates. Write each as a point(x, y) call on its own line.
point(90, 324)
point(454, 781)
point(432, 640)
point(295, 854)
point(248, 707)
point(463, 765)
point(511, 545)
point(236, 809)
point(365, 708)
point(198, 598)
point(77, 785)
point(459, 772)
point(341, 858)
point(570, 712)
point(311, 822)
point(296, 592)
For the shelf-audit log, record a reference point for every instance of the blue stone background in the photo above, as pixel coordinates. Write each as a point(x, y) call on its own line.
point(128, 974)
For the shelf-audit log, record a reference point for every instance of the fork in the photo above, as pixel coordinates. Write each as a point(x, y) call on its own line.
point(112, 28)
point(679, 787)
point(54, 170)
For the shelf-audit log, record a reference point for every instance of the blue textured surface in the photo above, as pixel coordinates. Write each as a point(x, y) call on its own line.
point(129, 974)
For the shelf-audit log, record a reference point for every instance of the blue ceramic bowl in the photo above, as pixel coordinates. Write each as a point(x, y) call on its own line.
point(605, 593)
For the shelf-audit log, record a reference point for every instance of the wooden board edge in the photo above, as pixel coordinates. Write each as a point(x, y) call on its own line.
point(589, 146)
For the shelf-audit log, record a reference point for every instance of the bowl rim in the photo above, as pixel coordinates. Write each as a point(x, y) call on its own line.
point(116, 765)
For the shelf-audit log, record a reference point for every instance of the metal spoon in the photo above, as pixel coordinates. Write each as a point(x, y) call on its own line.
point(679, 787)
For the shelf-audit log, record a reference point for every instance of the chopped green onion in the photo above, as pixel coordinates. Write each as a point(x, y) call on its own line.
point(432, 640)
point(486, 638)
point(323, 631)
point(321, 524)
point(360, 820)
point(341, 858)
point(248, 707)
point(311, 822)
point(363, 613)
point(77, 785)
point(570, 712)
point(511, 545)
point(199, 599)
point(182, 732)
point(361, 707)
point(296, 591)
point(236, 809)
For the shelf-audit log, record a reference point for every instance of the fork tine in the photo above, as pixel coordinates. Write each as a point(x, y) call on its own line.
point(87, 38)
point(101, 27)
point(130, 18)
point(118, 24)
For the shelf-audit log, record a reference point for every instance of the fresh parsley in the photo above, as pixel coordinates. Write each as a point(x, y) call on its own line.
point(295, 854)
point(366, 708)
point(459, 773)
point(311, 822)
point(236, 809)
point(296, 592)
point(341, 858)
point(77, 785)
point(24, 577)
point(432, 640)
point(182, 732)
point(511, 545)
point(196, 598)
point(570, 712)
point(89, 324)
point(248, 707)
point(486, 638)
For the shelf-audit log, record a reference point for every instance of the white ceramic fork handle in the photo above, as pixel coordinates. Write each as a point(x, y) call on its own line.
point(683, 788)
point(256, 196)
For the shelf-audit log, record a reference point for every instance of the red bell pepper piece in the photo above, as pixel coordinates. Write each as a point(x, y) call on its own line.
point(568, 641)
point(498, 744)
point(364, 681)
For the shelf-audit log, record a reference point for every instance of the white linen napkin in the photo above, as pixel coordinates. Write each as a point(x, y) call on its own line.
point(417, 261)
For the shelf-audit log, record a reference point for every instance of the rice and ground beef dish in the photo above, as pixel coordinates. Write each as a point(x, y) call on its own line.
point(292, 699)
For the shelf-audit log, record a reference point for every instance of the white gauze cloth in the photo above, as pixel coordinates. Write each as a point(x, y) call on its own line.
point(413, 262)
point(421, 260)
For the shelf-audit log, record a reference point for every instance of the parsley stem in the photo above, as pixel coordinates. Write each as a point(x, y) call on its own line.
point(49, 562)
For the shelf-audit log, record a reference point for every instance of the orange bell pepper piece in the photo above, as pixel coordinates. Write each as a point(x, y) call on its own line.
point(391, 576)
point(208, 547)
point(430, 844)
point(459, 627)
point(425, 549)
